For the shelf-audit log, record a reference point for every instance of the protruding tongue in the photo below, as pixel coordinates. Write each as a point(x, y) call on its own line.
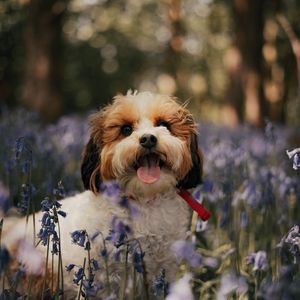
point(149, 170)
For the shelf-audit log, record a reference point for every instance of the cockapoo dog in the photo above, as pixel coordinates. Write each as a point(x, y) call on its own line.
point(148, 144)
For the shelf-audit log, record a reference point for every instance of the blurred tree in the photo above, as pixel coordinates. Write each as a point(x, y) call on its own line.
point(42, 82)
point(207, 51)
point(11, 51)
point(244, 62)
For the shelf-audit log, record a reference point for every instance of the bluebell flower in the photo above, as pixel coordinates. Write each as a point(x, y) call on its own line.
point(118, 232)
point(104, 252)
point(95, 264)
point(185, 250)
point(95, 235)
point(294, 155)
point(111, 189)
point(49, 219)
point(55, 243)
point(79, 237)
point(138, 260)
point(70, 267)
point(62, 213)
point(47, 204)
point(160, 284)
point(258, 260)
point(27, 190)
point(117, 255)
point(125, 203)
point(47, 228)
point(59, 192)
point(78, 276)
point(90, 289)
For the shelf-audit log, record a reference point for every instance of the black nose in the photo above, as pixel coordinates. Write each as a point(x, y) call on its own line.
point(148, 141)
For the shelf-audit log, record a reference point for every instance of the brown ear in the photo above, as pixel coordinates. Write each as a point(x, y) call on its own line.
point(194, 176)
point(90, 167)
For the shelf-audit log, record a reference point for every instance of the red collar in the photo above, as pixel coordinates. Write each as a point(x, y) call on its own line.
point(203, 213)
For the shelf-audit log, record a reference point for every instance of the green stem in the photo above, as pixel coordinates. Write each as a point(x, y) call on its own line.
point(52, 273)
point(46, 267)
point(132, 292)
point(80, 287)
point(29, 287)
point(60, 263)
point(106, 265)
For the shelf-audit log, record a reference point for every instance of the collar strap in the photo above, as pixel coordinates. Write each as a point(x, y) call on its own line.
point(203, 213)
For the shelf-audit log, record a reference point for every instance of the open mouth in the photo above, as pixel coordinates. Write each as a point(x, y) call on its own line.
point(148, 168)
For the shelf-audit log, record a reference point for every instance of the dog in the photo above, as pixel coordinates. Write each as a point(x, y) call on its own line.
point(147, 143)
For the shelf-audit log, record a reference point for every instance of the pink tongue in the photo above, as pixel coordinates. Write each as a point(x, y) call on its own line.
point(149, 171)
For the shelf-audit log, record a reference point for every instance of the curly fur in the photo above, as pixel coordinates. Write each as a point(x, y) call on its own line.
point(162, 216)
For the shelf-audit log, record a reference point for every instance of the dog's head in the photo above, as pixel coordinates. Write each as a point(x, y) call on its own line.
point(145, 141)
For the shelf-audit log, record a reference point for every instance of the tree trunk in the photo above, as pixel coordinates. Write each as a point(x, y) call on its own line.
point(243, 60)
point(42, 82)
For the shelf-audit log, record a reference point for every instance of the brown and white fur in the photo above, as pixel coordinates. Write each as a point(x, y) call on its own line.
point(162, 216)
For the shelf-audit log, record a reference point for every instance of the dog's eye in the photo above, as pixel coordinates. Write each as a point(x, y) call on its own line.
point(126, 130)
point(163, 123)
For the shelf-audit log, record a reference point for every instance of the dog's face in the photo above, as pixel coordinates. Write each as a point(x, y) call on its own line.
point(145, 141)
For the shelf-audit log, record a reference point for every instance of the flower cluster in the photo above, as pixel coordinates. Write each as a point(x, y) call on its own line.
point(119, 232)
point(51, 209)
point(88, 286)
point(160, 284)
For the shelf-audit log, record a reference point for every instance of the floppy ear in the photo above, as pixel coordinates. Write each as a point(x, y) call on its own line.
point(90, 167)
point(194, 176)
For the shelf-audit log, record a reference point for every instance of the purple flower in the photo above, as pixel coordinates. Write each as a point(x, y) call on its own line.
point(119, 232)
point(25, 195)
point(138, 260)
point(160, 285)
point(104, 252)
point(110, 189)
point(62, 213)
point(70, 267)
point(95, 264)
point(185, 250)
point(78, 276)
point(49, 219)
point(79, 237)
point(59, 192)
point(90, 289)
point(295, 157)
point(258, 260)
